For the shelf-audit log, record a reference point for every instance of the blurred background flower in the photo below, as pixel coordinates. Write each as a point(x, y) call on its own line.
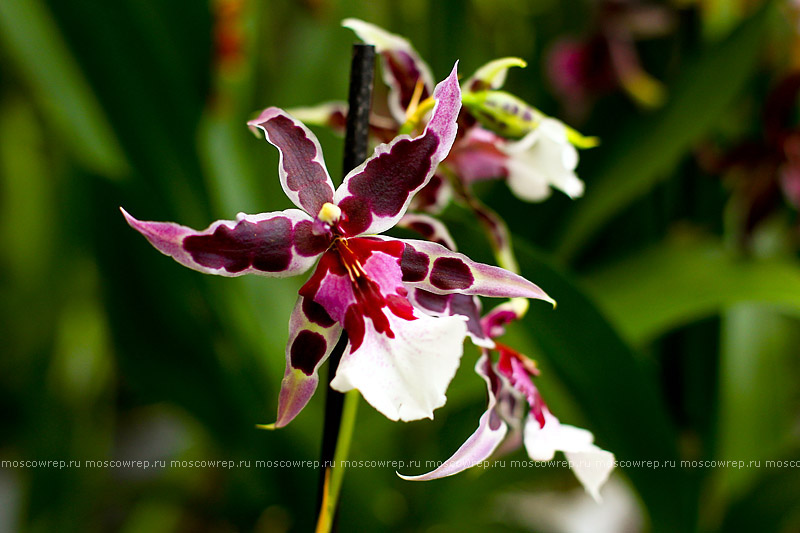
point(674, 338)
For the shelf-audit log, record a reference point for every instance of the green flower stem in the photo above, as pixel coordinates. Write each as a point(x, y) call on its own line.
point(334, 473)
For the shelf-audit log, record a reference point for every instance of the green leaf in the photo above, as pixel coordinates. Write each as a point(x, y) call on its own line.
point(771, 503)
point(757, 389)
point(682, 280)
point(36, 44)
point(648, 149)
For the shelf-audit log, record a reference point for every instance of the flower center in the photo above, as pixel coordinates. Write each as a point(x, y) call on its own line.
point(327, 219)
point(373, 283)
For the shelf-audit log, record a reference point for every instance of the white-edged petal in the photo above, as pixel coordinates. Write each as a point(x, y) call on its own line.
point(482, 443)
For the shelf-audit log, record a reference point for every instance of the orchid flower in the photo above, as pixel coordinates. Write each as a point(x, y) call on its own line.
point(400, 359)
point(500, 136)
point(517, 415)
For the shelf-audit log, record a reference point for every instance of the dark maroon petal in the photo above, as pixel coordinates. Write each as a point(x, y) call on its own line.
point(258, 244)
point(302, 167)
point(375, 195)
point(451, 273)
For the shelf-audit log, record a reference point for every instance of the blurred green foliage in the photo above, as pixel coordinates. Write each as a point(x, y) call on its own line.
point(672, 340)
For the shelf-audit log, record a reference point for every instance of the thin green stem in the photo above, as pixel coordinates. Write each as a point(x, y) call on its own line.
point(334, 473)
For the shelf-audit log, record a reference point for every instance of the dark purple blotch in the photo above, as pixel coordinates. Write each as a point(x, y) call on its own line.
point(414, 264)
point(265, 245)
point(306, 243)
point(451, 273)
point(385, 183)
point(307, 350)
point(316, 313)
point(304, 176)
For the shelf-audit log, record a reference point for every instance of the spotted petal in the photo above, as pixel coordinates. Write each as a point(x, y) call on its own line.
point(403, 68)
point(436, 269)
point(270, 244)
point(591, 464)
point(312, 336)
point(302, 171)
point(375, 195)
point(484, 441)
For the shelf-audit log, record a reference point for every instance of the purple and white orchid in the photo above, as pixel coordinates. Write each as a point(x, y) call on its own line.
point(516, 414)
point(399, 358)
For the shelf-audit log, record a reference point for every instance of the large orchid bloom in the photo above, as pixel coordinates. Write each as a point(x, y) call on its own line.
point(516, 414)
point(400, 359)
point(500, 136)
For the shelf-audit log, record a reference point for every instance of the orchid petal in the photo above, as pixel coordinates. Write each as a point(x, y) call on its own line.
point(492, 75)
point(433, 267)
point(542, 159)
point(482, 443)
point(591, 464)
point(403, 68)
point(375, 195)
point(312, 336)
point(276, 244)
point(302, 171)
point(430, 228)
point(453, 305)
point(405, 377)
point(477, 156)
